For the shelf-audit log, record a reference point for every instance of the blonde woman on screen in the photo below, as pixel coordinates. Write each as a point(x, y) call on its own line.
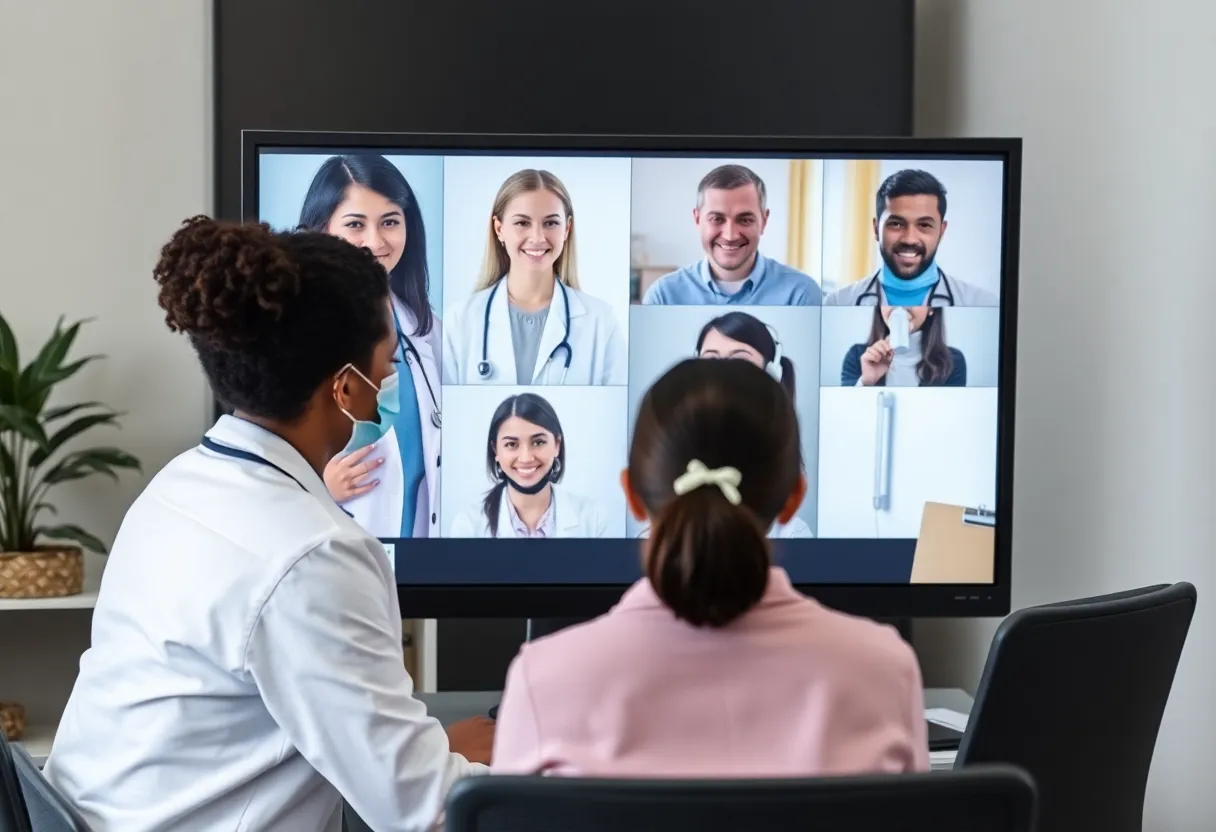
point(528, 322)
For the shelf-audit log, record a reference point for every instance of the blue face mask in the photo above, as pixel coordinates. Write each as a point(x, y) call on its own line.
point(388, 404)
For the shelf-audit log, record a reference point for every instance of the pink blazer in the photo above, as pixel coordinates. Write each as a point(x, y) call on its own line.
point(790, 689)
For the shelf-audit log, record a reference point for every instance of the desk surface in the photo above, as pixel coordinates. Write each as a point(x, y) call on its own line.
point(449, 707)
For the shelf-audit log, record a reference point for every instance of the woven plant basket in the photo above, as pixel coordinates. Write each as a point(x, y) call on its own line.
point(12, 721)
point(48, 572)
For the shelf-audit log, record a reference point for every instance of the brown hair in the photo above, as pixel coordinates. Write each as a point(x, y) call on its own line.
point(495, 262)
point(936, 363)
point(729, 177)
point(708, 559)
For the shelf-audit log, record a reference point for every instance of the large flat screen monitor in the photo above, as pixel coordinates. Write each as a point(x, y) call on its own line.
point(875, 278)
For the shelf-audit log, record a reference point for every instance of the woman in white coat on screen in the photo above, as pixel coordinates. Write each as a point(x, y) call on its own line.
point(392, 487)
point(528, 322)
point(526, 459)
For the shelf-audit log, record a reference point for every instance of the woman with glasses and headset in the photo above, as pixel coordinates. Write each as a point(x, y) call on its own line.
point(392, 486)
point(528, 322)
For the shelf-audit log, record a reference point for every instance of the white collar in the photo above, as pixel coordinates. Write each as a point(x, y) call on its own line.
point(254, 439)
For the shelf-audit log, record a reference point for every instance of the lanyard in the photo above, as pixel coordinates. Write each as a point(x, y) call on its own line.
point(236, 453)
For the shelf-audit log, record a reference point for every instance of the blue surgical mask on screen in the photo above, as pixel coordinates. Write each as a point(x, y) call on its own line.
point(388, 404)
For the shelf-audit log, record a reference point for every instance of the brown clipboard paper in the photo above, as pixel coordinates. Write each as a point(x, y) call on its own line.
point(950, 551)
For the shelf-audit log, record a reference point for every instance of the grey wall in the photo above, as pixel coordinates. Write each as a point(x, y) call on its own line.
point(1115, 447)
point(106, 143)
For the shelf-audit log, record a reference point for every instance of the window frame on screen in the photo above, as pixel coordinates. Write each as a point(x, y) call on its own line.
point(584, 601)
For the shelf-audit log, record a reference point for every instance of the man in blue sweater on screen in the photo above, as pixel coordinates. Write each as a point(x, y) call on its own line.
point(730, 215)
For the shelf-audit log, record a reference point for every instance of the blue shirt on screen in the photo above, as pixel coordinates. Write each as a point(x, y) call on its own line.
point(408, 429)
point(769, 284)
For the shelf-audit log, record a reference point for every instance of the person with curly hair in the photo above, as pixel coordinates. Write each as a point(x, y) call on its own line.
point(246, 666)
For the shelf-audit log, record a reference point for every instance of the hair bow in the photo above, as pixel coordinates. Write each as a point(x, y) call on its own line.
point(726, 479)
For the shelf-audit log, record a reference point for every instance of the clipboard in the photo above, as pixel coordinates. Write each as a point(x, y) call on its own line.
point(956, 546)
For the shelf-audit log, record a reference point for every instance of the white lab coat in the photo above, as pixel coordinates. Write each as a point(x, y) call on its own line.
point(597, 343)
point(246, 665)
point(379, 510)
point(573, 516)
point(796, 528)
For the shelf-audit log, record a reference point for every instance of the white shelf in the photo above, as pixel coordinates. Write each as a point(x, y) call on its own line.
point(85, 600)
point(37, 742)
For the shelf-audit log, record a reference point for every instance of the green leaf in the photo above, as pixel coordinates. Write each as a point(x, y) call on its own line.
point(18, 419)
point(53, 413)
point(81, 464)
point(74, 428)
point(8, 465)
point(35, 385)
point(9, 356)
point(71, 532)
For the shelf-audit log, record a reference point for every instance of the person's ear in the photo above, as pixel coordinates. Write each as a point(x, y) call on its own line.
point(569, 228)
point(764, 220)
point(344, 389)
point(696, 216)
point(875, 224)
point(793, 502)
point(942, 233)
point(496, 224)
point(636, 508)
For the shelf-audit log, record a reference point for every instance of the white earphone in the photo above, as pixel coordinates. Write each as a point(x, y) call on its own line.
point(773, 368)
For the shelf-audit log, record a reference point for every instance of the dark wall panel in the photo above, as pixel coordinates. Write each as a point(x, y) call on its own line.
point(764, 67)
point(809, 67)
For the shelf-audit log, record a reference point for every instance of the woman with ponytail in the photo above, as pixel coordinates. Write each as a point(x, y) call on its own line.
point(713, 665)
point(744, 336)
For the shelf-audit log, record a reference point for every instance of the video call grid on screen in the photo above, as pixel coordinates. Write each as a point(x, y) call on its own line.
point(900, 451)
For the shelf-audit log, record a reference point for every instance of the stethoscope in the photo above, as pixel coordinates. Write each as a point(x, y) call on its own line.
point(412, 355)
point(872, 291)
point(485, 369)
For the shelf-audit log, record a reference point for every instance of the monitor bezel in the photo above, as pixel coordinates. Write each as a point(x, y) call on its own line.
point(584, 601)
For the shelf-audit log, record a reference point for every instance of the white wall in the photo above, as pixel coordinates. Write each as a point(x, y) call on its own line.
point(106, 142)
point(922, 466)
point(1115, 448)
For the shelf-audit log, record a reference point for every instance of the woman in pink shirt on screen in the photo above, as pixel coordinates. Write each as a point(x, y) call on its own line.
point(713, 665)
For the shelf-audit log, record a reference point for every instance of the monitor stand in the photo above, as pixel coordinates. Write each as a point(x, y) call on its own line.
point(540, 627)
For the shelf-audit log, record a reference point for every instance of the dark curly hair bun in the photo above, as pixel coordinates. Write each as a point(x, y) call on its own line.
point(225, 283)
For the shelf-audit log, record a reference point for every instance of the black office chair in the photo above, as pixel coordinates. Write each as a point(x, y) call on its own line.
point(48, 810)
point(1073, 692)
point(13, 815)
point(986, 799)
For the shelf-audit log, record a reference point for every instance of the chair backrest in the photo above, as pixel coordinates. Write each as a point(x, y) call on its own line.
point(48, 810)
point(13, 815)
point(1074, 693)
point(986, 799)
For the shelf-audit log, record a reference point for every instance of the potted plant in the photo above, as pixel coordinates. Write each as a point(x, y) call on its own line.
point(39, 561)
